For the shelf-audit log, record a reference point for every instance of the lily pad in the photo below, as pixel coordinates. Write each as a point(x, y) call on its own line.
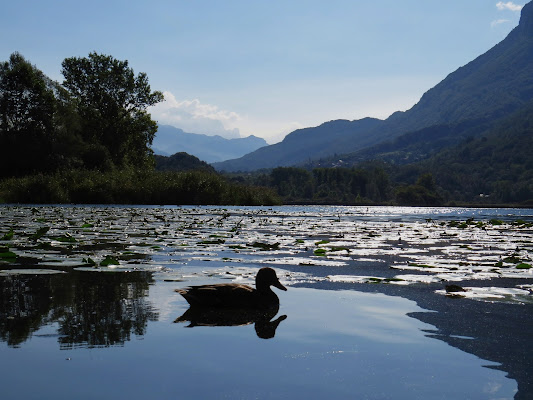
point(40, 232)
point(109, 261)
point(8, 256)
point(321, 252)
point(9, 235)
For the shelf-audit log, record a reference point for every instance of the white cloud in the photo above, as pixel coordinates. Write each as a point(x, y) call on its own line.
point(498, 22)
point(508, 6)
point(195, 117)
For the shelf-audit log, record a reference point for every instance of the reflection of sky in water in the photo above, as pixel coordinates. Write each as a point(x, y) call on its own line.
point(334, 344)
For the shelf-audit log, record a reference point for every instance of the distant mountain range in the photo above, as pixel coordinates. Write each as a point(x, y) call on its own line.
point(466, 104)
point(170, 140)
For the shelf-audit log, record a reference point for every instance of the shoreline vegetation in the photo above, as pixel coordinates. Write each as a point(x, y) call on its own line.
point(193, 187)
point(133, 187)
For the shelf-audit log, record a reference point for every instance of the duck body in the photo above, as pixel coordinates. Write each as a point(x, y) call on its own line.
point(234, 295)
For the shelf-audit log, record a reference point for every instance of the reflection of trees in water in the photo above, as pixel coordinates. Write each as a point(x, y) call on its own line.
point(25, 306)
point(92, 309)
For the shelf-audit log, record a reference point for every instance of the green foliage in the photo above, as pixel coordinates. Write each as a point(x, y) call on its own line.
point(97, 120)
point(27, 112)
point(109, 260)
point(321, 252)
point(112, 102)
point(9, 235)
point(330, 185)
point(130, 186)
point(423, 193)
point(496, 168)
point(181, 162)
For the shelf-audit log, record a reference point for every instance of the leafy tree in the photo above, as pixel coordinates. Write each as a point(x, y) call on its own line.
point(112, 101)
point(423, 193)
point(27, 112)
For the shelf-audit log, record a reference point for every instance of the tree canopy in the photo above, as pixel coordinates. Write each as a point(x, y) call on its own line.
point(112, 101)
point(27, 113)
point(97, 119)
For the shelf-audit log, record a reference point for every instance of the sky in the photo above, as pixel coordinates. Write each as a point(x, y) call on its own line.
point(266, 68)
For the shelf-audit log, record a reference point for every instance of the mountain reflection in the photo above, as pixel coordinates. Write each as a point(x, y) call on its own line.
point(265, 327)
point(497, 332)
point(91, 309)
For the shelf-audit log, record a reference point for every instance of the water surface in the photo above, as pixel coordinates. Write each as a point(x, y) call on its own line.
point(366, 317)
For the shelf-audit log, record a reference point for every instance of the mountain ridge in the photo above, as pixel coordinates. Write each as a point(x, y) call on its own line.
point(488, 88)
point(170, 140)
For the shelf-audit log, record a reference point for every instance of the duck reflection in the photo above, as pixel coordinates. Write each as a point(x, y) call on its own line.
point(265, 326)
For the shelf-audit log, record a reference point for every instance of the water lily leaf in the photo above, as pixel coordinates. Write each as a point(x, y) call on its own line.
point(40, 232)
point(109, 261)
point(265, 246)
point(8, 235)
point(523, 266)
point(66, 238)
point(321, 252)
point(89, 261)
point(8, 255)
point(218, 241)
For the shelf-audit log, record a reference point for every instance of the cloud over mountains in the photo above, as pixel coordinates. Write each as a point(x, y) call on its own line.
point(195, 116)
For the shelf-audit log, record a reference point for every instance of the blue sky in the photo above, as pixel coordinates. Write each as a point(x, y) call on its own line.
point(241, 67)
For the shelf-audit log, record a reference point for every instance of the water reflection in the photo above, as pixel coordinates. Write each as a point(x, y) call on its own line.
point(498, 332)
point(265, 327)
point(91, 309)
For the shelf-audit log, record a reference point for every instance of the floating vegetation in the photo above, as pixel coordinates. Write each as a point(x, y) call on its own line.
point(40, 232)
point(265, 246)
point(109, 260)
point(8, 236)
point(7, 256)
point(321, 252)
point(409, 249)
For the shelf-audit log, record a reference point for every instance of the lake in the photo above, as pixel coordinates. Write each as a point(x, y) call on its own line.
point(382, 303)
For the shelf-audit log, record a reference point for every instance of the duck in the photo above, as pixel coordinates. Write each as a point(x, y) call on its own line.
point(234, 295)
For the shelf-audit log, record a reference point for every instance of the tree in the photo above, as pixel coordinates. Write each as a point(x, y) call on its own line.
point(112, 101)
point(27, 114)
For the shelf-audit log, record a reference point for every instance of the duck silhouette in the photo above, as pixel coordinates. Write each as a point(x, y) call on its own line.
point(234, 295)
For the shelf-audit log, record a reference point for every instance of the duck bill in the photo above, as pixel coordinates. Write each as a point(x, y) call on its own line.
point(279, 285)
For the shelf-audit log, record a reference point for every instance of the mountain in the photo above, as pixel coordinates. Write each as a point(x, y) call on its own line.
point(485, 90)
point(301, 145)
point(170, 140)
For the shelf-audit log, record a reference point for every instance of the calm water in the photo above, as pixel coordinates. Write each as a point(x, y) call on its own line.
point(366, 317)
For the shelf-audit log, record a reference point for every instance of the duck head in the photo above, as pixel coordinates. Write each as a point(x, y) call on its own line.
point(267, 277)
